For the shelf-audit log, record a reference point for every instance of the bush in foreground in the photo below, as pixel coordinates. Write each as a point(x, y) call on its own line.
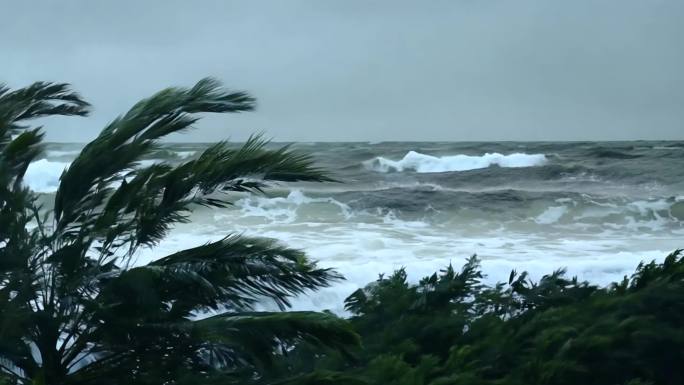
point(451, 329)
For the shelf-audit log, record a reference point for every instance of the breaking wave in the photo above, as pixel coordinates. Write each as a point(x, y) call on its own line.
point(42, 176)
point(292, 207)
point(422, 163)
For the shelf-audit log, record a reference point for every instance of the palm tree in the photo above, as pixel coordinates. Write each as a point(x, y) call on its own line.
point(74, 309)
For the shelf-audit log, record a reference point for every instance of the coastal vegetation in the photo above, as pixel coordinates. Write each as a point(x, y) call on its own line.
point(451, 329)
point(76, 307)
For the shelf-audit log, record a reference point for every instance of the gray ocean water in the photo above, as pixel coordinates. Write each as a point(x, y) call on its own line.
point(595, 208)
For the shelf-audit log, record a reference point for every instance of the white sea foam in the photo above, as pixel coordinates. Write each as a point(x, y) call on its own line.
point(43, 175)
point(363, 250)
point(423, 163)
point(551, 215)
point(650, 208)
point(391, 218)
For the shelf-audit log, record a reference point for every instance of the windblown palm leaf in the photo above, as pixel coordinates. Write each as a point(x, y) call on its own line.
point(73, 309)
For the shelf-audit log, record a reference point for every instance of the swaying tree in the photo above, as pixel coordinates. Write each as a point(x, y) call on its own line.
point(74, 309)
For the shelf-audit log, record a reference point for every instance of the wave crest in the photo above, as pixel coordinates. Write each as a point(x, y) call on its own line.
point(422, 163)
point(42, 176)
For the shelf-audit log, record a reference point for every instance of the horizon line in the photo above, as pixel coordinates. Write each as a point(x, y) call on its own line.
point(408, 141)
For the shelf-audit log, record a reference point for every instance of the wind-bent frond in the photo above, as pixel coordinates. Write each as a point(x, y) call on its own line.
point(239, 270)
point(149, 200)
point(108, 195)
point(232, 273)
point(20, 152)
point(18, 145)
point(322, 378)
point(23, 277)
point(259, 335)
point(131, 136)
point(36, 101)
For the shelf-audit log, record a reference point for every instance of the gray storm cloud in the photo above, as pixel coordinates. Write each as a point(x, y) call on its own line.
point(368, 70)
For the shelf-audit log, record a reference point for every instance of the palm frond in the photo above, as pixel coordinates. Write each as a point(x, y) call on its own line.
point(38, 100)
point(231, 273)
point(150, 200)
point(322, 377)
point(20, 152)
point(263, 335)
point(132, 136)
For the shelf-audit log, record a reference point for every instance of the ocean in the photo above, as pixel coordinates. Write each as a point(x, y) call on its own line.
point(596, 209)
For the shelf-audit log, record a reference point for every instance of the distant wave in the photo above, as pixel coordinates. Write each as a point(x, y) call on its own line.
point(185, 154)
point(58, 153)
point(612, 153)
point(285, 209)
point(423, 163)
point(510, 206)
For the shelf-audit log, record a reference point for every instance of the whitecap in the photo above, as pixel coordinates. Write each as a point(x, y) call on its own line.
point(285, 209)
point(551, 215)
point(42, 176)
point(423, 163)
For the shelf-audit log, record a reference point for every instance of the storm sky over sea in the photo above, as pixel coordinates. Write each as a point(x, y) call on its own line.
point(368, 70)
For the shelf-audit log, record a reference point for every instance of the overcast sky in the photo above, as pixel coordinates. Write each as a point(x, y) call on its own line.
point(368, 70)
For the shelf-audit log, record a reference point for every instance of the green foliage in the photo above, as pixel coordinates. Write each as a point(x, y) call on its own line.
point(450, 329)
point(74, 310)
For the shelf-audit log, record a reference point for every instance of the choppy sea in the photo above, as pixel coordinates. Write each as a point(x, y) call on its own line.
point(594, 208)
